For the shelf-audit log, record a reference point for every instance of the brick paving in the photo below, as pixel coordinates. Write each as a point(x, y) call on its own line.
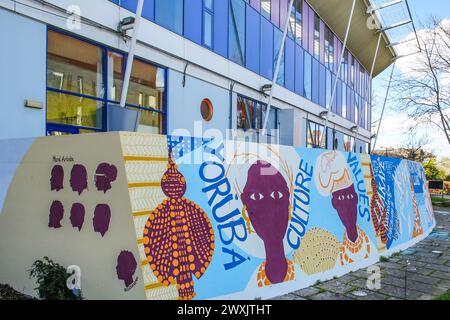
point(426, 277)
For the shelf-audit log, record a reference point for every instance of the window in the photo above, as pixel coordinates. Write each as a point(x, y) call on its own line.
point(307, 76)
point(278, 37)
point(298, 9)
point(208, 22)
point(251, 115)
point(75, 83)
point(344, 100)
point(77, 98)
point(236, 49)
point(266, 8)
point(315, 135)
point(316, 36)
point(344, 72)
point(349, 143)
point(328, 88)
point(329, 48)
point(169, 14)
point(206, 109)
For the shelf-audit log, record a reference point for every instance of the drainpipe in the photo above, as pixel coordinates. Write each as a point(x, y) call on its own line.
point(130, 59)
point(277, 66)
point(339, 68)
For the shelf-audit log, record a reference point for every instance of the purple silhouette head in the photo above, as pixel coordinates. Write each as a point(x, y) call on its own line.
point(266, 197)
point(78, 178)
point(57, 178)
point(77, 215)
point(126, 267)
point(345, 201)
point(102, 216)
point(105, 175)
point(56, 215)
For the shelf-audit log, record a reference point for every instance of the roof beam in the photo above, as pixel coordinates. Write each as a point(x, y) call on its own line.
point(371, 10)
point(396, 25)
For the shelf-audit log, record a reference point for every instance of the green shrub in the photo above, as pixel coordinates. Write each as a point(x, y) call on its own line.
point(51, 279)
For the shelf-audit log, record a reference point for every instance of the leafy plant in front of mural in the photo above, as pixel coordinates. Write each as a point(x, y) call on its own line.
point(51, 279)
point(178, 236)
point(266, 197)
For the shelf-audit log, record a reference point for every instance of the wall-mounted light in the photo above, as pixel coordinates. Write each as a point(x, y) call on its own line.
point(265, 89)
point(354, 129)
point(323, 114)
point(126, 24)
point(34, 104)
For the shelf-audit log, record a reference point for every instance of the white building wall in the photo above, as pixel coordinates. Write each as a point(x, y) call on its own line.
point(22, 75)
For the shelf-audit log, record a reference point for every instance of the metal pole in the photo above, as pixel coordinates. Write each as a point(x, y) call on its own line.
point(130, 59)
point(339, 68)
point(384, 106)
point(277, 66)
point(367, 87)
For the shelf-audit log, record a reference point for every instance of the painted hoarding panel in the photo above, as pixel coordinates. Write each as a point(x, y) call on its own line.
point(208, 218)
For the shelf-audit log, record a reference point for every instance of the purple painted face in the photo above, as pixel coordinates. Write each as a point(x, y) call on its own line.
point(266, 197)
point(105, 175)
point(126, 267)
point(78, 178)
point(77, 215)
point(57, 178)
point(345, 202)
point(102, 217)
point(56, 215)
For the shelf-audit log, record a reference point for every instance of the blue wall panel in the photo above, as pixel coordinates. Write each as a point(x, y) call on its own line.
point(299, 70)
point(315, 81)
point(221, 28)
point(148, 11)
point(193, 10)
point(322, 86)
point(267, 49)
point(289, 73)
point(253, 39)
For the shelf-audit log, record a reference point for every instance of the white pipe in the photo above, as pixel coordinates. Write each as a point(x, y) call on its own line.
point(367, 87)
point(277, 66)
point(130, 59)
point(339, 68)
point(384, 106)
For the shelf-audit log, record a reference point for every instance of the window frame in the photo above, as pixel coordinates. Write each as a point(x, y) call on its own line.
point(208, 11)
point(50, 126)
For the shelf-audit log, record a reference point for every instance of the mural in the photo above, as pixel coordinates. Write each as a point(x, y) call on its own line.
point(204, 218)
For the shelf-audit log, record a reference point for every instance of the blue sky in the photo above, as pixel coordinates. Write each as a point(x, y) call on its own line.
point(392, 133)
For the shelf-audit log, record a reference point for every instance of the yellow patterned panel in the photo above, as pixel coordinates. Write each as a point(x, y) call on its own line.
point(146, 159)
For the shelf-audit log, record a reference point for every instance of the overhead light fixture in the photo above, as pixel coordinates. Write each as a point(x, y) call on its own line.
point(126, 24)
point(265, 89)
point(354, 129)
point(323, 114)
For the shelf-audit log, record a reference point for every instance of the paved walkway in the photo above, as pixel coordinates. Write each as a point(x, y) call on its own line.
point(427, 276)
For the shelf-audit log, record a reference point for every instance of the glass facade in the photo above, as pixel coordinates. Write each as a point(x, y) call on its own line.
point(247, 32)
point(208, 22)
point(77, 94)
point(169, 14)
point(236, 34)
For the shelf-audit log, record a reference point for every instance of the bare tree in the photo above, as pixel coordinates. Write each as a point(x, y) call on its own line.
point(423, 92)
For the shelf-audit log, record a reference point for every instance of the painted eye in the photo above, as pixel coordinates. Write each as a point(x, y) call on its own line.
point(349, 196)
point(276, 195)
point(256, 196)
point(341, 197)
